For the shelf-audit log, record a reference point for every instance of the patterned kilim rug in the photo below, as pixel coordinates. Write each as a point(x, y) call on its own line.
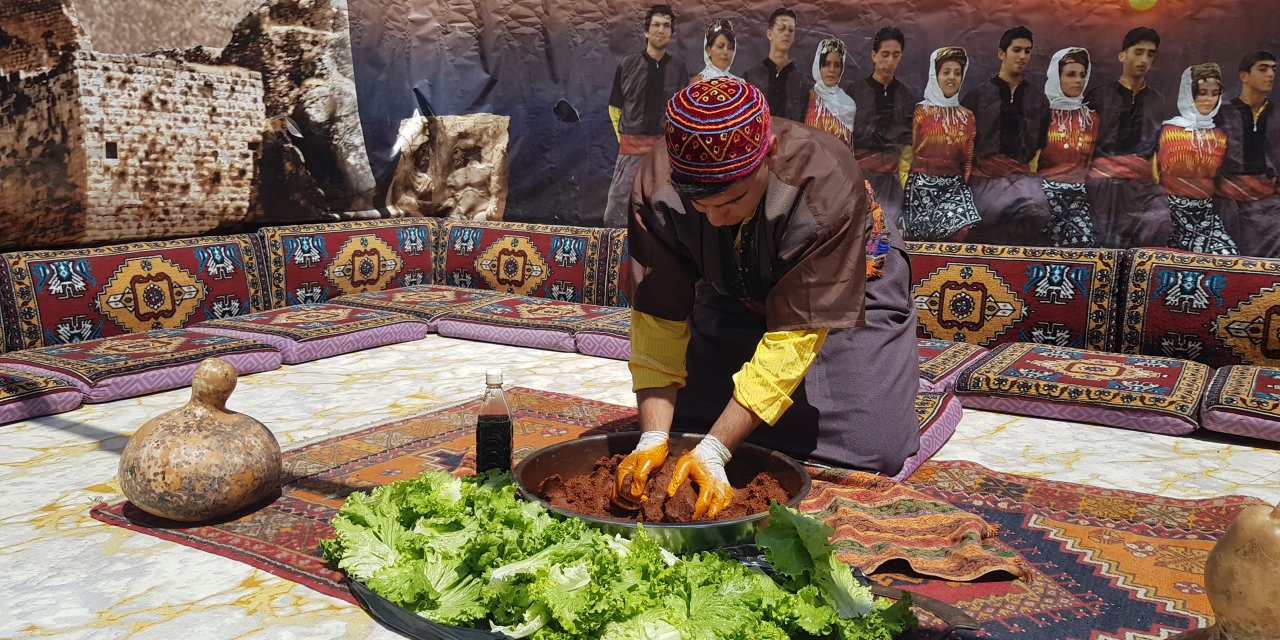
point(1127, 565)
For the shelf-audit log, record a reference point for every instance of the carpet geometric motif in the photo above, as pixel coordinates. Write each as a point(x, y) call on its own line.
point(1105, 564)
point(989, 295)
point(16, 385)
point(533, 313)
point(150, 292)
point(427, 302)
point(941, 358)
point(1057, 374)
point(1245, 389)
point(512, 264)
point(1251, 329)
point(308, 264)
point(363, 263)
point(1219, 310)
point(98, 359)
point(311, 321)
point(71, 295)
point(546, 261)
point(616, 324)
point(1098, 563)
point(966, 303)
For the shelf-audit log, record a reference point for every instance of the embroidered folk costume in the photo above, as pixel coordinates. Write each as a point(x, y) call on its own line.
point(881, 130)
point(637, 106)
point(1064, 161)
point(1129, 209)
point(1010, 127)
point(781, 310)
point(938, 202)
point(1191, 151)
point(1247, 194)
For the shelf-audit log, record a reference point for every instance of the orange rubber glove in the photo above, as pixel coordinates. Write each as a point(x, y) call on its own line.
point(705, 464)
point(648, 455)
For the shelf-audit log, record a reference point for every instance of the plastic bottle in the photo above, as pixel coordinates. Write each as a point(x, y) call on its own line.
point(493, 426)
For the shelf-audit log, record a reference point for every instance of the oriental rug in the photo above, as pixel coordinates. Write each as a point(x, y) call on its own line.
point(1091, 558)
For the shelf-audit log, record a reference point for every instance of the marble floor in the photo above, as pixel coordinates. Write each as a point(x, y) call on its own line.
point(68, 576)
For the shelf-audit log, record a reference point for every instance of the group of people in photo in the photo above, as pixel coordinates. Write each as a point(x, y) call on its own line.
point(1007, 160)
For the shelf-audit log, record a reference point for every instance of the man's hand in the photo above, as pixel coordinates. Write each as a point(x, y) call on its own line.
point(705, 464)
point(633, 473)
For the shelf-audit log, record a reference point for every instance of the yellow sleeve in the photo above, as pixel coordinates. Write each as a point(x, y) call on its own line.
point(657, 351)
point(615, 116)
point(765, 384)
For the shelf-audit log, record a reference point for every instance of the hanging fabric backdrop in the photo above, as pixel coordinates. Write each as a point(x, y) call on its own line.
point(520, 57)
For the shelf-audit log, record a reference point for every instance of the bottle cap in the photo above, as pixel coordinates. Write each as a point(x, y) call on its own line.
point(493, 376)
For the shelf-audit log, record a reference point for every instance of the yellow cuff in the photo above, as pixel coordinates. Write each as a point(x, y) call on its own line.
point(615, 116)
point(657, 351)
point(765, 384)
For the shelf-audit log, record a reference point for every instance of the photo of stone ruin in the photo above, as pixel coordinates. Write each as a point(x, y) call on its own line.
point(99, 146)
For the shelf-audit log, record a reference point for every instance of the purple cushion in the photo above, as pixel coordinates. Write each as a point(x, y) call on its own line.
point(1243, 401)
point(523, 321)
point(308, 332)
point(607, 337)
point(140, 363)
point(941, 362)
point(1143, 393)
point(426, 302)
point(28, 395)
point(939, 415)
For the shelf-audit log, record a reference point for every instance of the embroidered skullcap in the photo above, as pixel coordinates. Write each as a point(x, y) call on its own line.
point(1206, 71)
point(717, 131)
point(950, 54)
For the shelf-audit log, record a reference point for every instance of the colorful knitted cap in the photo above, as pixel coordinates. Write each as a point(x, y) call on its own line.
point(717, 131)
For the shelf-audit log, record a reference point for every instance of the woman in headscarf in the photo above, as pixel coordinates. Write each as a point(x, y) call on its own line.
point(939, 204)
point(1191, 151)
point(1064, 161)
point(830, 108)
point(718, 50)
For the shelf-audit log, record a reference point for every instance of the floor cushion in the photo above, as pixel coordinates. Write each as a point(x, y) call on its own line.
point(989, 295)
point(425, 302)
point(1143, 393)
point(939, 415)
point(313, 263)
point(140, 363)
point(1244, 401)
point(308, 332)
point(547, 261)
point(61, 296)
point(606, 337)
point(941, 361)
point(617, 269)
point(29, 395)
point(523, 321)
point(1219, 310)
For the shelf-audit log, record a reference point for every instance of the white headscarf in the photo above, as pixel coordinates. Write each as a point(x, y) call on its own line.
point(833, 98)
point(709, 70)
point(1189, 117)
point(1053, 88)
point(933, 96)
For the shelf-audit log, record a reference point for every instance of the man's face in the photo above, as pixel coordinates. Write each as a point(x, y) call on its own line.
point(1015, 59)
point(658, 34)
point(735, 204)
point(1137, 60)
point(782, 33)
point(1261, 78)
point(887, 58)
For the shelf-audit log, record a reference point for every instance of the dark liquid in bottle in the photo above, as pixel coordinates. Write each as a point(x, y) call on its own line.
point(493, 443)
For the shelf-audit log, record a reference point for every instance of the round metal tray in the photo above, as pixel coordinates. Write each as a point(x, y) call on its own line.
point(577, 457)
